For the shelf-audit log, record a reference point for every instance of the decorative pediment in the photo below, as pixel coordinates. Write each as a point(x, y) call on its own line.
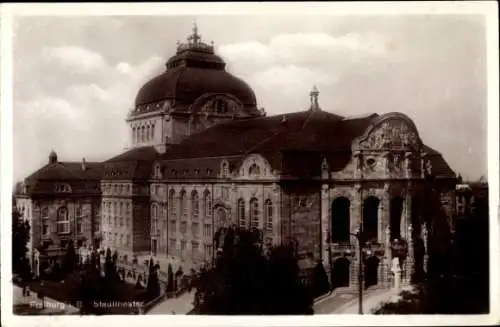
point(218, 104)
point(390, 132)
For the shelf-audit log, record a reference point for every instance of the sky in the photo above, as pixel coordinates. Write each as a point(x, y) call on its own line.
point(76, 78)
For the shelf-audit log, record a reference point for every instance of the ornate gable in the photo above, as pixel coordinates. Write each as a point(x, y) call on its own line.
point(390, 132)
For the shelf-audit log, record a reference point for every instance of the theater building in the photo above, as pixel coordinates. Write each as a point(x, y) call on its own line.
point(202, 156)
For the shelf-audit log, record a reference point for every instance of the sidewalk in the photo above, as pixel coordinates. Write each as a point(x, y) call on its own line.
point(178, 305)
point(372, 301)
point(32, 305)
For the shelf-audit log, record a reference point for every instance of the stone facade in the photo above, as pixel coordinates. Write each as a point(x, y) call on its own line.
point(204, 157)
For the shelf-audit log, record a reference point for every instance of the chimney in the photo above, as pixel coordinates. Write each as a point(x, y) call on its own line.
point(84, 164)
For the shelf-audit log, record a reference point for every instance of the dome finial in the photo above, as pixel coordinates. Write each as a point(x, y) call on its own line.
point(314, 98)
point(195, 37)
point(52, 157)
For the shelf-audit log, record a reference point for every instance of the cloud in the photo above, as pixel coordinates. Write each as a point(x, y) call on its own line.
point(73, 58)
point(76, 79)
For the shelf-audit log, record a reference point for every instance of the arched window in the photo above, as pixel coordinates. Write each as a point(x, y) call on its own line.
point(183, 204)
point(254, 170)
point(138, 135)
point(173, 206)
point(225, 169)
point(45, 213)
point(396, 210)
point(133, 135)
point(153, 131)
point(241, 213)
point(207, 203)
point(148, 135)
point(341, 220)
point(143, 134)
point(195, 204)
point(370, 218)
point(62, 220)
point(254, 213)
point(268, 211)
point(79, 220)
point(155, 210)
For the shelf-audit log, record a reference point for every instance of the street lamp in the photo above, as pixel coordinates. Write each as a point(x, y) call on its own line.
point(361, 245)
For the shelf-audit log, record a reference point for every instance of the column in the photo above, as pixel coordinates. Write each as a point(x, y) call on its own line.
point(356, 225)
point(408, 172)
point(410, 260)
point(406, 218)
point(424, 238)
point(387, 256)
point(326, 226)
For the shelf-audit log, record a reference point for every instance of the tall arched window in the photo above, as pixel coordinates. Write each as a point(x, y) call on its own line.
point(395, 211)
point(143, 134)
point(370, 218)
point(254, 213)
point(45, 221)
point(137, 134)
point(207, 203)
point(241, 213)
point(341, 220)
point(133, 135)
point(183, 204)
point(173, 205)
point(154, 221)
point(195, 204)
point(62, 220)
point(268, 211)
point(79, 220)
point(152, 131)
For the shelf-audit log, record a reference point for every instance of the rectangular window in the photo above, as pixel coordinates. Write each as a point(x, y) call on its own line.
point(183, 248)
point(195, 229)
point(172, 245)
point(173, 228)
point(121, 222)
point(128, 240)
point(63, 227)
point(183, 228)
point(45, 228)
point(195, 247)
point(207, 231)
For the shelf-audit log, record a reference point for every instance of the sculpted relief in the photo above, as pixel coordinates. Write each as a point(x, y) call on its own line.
point(391, 135)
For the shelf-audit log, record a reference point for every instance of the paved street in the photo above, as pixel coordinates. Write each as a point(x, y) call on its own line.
point(346, 302)
point(180, 305)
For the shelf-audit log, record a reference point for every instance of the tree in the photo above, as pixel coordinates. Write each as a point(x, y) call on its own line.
point(153, 285)
point(70, 258)
point(170, 279)
point(109, 267)
point(245, 281)
point(20, 239)
point(321, 284)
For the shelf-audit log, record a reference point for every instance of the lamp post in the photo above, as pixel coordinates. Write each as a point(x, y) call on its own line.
point(361, 249)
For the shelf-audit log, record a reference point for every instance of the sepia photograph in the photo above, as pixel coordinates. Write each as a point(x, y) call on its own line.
point(250, 164)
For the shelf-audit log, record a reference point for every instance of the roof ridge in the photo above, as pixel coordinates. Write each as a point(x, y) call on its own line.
point(269, 138)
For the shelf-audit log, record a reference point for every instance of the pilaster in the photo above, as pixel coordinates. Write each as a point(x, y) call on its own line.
point(326, 226)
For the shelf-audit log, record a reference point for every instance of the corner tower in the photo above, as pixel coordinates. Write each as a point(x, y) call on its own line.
point(194, 93)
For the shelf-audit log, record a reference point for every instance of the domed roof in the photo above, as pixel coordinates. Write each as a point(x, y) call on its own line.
point(194, 71)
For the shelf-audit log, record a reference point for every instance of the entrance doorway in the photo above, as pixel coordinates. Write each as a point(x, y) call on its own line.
point(340, 273)
point(371, 271)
